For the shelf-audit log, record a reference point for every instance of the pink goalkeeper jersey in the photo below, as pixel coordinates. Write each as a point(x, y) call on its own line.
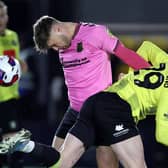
point(86, 63)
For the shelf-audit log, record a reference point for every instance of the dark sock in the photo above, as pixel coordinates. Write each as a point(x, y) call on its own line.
point(44, 155)
point(3, 160)
point(15, 160)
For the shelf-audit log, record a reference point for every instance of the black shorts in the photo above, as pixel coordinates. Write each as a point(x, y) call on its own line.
point(109, 116)
point(67, 122)
point(9, 116)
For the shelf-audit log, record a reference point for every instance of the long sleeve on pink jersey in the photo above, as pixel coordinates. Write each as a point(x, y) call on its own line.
point(111, 44)
point(130, 57)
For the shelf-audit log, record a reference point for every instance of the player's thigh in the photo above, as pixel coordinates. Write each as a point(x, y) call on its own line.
point(67, 122)
point(106, 158)
point(130, 152)
point(83, 128)
point(113, 119)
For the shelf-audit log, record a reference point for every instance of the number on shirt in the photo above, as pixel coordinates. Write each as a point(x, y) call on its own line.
point(146, 83)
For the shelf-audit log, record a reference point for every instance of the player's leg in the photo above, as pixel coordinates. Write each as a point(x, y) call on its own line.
point(130, 152)
point(45, 155)
point(80, 137)
point(20, 142)
point(66, 123)
point(72, 150)
point(106, 158)
point(114, 124)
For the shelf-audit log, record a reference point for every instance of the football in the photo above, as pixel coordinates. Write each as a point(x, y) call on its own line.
point(10, 70)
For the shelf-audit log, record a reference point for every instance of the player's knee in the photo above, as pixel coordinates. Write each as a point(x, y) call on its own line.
point(106, 157)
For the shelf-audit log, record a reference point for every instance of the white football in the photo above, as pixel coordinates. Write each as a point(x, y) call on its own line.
point(10, 70)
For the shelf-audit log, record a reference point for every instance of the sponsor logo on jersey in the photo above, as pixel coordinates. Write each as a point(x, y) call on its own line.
point(75, 62)
point(119, 127)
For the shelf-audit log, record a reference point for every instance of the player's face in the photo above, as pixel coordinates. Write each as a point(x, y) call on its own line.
point(58, 39)
point(3, 19)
